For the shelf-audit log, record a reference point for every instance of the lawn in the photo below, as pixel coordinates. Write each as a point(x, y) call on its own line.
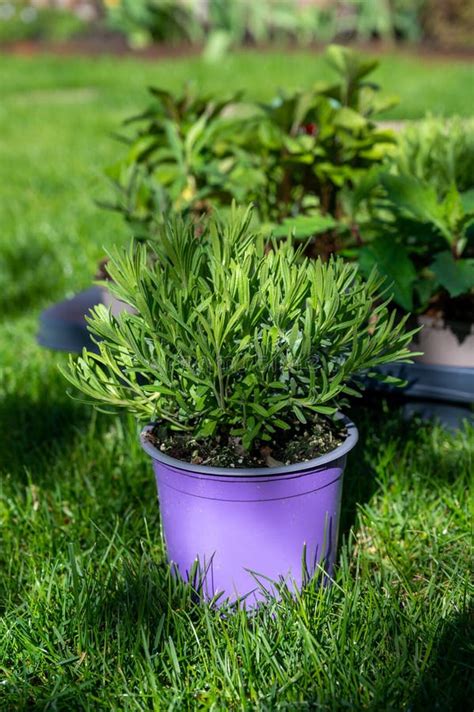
point(91, 619)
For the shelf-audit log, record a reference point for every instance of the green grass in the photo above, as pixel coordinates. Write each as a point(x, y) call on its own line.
point(90, 618)
point(422, 84)
point(93, 621)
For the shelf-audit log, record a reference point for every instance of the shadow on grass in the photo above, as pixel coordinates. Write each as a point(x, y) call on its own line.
point(448, 683)
point(360, 485)
point(131, 615)
point(36, 431)
point(360, 477)
point(61, 697)
point(139, 597)
point(381, 422)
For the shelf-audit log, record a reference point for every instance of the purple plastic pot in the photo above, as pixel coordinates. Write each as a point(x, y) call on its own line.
point(235, 532)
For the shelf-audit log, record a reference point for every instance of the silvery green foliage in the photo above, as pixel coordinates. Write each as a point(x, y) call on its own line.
point(233, 338)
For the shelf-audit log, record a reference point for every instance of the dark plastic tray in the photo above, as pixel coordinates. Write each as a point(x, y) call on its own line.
point(442, 383)
point(62, 327)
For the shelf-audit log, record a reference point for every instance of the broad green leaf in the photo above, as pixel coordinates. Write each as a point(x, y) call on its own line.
point(349, 119)
point(418, 200)
point(424, 289)
point(456, 276)
point(467, 200)
point(393, 262)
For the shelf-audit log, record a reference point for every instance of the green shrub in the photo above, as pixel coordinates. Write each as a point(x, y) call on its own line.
point(311, 147)
point(418, 229)
point(385, 19)
point(175, 160)
point(439, 152)
point(300, 156)
point(231, 338)
point(316, 166)
point(423, 245)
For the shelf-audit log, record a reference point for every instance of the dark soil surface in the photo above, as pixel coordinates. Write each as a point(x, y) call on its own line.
point(302, 443)
point(95, 45)
point(111, 43)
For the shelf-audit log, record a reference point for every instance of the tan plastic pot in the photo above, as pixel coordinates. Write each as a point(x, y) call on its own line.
point(442, 376)
point(444, 343)
point(114, 304)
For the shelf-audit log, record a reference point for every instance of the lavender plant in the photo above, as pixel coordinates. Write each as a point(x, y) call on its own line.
point(233, 337)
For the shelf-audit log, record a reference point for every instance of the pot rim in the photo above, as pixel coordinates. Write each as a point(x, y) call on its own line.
point(263, 472)
point(441, 324)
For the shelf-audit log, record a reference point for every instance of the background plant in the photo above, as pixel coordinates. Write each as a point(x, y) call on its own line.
point(230, 338)
point(384, 19)
point(146, 21)
point(317, 165)
point(420, 225)
point(438, 151)
point(313, 146)
point(221, 25)
point(22, 20)
point(424, 245)
point(175, 160)
point(299, 157)
point(232, 23)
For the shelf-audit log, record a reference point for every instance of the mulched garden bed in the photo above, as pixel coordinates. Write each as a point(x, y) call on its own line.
point(97, 43)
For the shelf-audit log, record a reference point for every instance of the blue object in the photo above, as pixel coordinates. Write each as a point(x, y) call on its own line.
point(443, 383)
point(63, 327)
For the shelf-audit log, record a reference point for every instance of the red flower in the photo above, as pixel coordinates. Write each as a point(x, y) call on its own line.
point(310, 129)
